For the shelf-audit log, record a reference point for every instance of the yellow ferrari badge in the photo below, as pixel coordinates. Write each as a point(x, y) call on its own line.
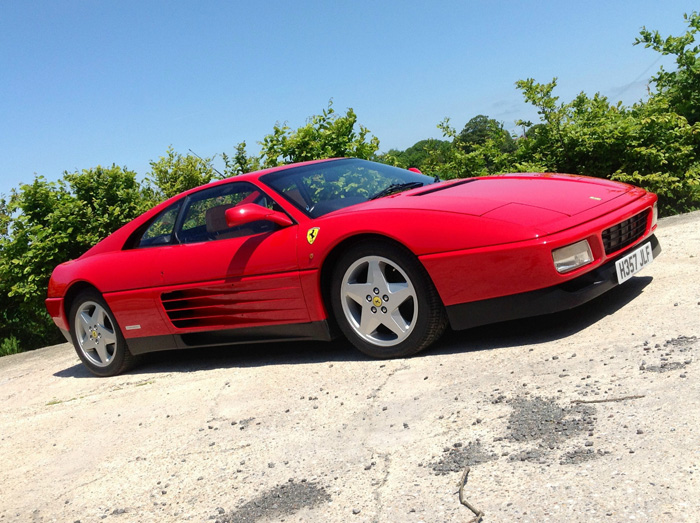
point(311, 234)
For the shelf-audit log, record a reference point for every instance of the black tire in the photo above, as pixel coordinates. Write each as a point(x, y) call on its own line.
point(384, 301)
point(96, 336)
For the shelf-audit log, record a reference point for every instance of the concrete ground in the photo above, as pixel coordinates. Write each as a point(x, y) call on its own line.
point(588, 415)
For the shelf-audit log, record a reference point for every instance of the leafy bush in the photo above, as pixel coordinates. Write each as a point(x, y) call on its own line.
point(46, 223)
point(326, 135)
point(10, 346)
point(424, 155)
point(647, 144)
point(175, 173)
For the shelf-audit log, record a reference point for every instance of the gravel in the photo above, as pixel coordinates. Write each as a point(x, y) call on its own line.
point(673, 355)
point(283, 500)
point(544, 421)
point(457, 458)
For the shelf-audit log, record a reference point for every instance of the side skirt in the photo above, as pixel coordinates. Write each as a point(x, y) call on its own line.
point(313, 331)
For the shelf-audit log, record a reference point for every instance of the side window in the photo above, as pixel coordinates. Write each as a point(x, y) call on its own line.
point(204, 216)
point(161, 229)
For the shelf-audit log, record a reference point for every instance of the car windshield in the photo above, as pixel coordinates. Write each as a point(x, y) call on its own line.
point(320, 188)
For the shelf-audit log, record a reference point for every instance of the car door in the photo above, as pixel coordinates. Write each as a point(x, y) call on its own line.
point(131, 285)
point(218, 277)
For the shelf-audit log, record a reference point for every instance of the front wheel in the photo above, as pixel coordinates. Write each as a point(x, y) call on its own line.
point(384, 301)
point(96, 336)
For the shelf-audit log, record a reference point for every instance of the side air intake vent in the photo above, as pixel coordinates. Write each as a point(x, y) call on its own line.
point(235, 305)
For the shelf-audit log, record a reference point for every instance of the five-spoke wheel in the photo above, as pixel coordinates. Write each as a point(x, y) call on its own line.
point(97, 337)
point(384, 301)
point(379, 300)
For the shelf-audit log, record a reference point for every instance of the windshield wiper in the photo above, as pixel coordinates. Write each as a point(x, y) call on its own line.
point(396, 187)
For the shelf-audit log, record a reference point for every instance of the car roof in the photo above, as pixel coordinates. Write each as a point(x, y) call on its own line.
point(257, 174)
point(251, 176)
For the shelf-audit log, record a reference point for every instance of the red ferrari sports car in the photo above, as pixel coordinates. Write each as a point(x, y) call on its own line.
point(386, 256)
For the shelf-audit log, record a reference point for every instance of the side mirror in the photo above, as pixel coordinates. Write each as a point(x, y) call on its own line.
point(252, 212)
point(415, 170)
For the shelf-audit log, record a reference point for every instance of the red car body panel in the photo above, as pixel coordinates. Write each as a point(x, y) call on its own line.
point(522, 266)
point(478, 239)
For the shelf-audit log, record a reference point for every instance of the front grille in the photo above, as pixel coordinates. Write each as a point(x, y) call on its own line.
point(625, 233)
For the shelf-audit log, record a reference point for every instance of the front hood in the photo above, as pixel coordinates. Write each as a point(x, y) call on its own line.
point(564, 194)
point(544, 203)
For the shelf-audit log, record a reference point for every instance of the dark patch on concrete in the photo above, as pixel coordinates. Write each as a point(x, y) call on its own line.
point(457, 458)
point(580, 455)
point(682, 342)
point(531, 455)
point(668, 352)
point(663, 367)
point(283, 500)
point(543, 420)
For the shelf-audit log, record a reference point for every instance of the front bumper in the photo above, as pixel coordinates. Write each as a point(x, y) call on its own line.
point(541, 301)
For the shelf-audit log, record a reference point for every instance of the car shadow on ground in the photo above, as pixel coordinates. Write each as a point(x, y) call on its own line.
point(234, 356)
point(541, 329)
point(76, 371)
point(516, 333)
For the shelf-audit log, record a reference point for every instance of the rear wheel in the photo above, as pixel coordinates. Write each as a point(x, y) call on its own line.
point(97, 338)
point(384, 301)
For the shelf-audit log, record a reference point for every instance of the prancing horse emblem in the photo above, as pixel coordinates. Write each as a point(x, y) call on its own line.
point(311, 234)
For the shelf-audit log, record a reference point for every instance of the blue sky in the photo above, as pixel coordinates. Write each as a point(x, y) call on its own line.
point(86, 83)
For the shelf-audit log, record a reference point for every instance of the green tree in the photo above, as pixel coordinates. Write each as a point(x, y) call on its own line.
point(422, 155)
point(585, 136)
point(682, 86)
point(174, 173)
point(5, 218)
point(662, 154)
point(46, 223)
point(487, 153)
point(647, 144)
point(240, 162)
point(481, 129)
point(327, 135)
point(544, 144)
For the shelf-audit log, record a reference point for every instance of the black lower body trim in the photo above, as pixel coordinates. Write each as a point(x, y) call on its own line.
point(542, 301)
point(317, 330)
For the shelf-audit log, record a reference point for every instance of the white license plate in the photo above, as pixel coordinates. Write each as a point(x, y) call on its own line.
point(633, 262)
